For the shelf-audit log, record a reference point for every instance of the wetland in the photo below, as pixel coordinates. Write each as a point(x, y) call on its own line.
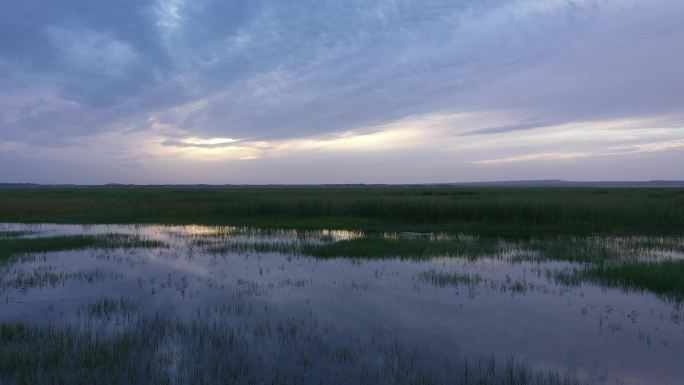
point(205, 304)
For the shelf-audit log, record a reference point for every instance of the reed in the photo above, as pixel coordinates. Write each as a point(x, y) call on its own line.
point(13, 247)
point(508, 211)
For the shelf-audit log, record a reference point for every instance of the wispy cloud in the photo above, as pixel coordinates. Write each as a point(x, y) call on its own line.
point(552, 156)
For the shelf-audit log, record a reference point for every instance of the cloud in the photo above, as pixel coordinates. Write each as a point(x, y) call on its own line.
point(610, 151)
point(201, 143)
point(268, 71)
point(525, 124)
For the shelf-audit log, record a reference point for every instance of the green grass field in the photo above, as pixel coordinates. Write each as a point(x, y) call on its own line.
point(503, 211)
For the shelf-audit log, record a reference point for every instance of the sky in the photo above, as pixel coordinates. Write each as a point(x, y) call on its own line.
point(340, 91)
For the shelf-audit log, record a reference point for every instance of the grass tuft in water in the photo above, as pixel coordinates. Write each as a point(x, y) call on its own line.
point(383, 247)
point(13, 234)
point(107, 307)
point(444, 279)
point(13, 247)
point(665, 279)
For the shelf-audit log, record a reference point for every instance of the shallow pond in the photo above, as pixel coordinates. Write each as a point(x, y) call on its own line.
point(306, 319)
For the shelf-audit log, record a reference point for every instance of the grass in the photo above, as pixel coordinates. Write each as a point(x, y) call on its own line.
point(665, 279)
point(508, 211)
point(13, 247)
point(381, 247)
point(627, 262)
point(12, 234)
point(446, 279)
point(165, 351)
point(592, 249)
point(106, 307)
point(370, 246)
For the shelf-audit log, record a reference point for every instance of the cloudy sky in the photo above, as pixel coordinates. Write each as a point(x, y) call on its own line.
point(340, 91)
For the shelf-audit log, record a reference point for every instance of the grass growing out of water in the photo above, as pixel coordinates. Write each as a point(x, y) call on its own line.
point(371, 246)
point(382, 247)
point(595, 249)
point(665, 278)
point(601, 249)
point(107, 307)
point(13, 247)
point(12, 234)
point(444, 279)
point(165, 351)
point(253, 247)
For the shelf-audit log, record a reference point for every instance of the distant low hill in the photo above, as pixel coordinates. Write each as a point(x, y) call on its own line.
point(549, 183)
point(566, 183)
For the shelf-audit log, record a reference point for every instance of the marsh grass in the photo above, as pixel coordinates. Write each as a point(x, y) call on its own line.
point(598, 249)
point(107, 307)
point(665, 279)
point(515, 372)
point(635, 262)
point(43, 276)
point(593, 249)
point(251, 247)
point(662, 278)
point(444, 279)
point(13, 247)
point(494, 211)
point(13, 234)
point(368, 247)
point(383, 247)
point(165, 351)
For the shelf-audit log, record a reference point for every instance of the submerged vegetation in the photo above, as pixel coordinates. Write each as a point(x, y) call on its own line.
point(502, 211)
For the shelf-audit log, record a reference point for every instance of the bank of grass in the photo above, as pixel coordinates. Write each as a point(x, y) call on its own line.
point(508, 211)
point(13, 247)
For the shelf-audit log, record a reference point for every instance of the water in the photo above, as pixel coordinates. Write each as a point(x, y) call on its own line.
point(515, 307)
